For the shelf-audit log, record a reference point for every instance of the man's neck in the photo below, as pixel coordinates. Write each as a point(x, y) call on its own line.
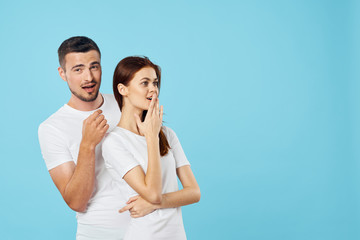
point(80, 105)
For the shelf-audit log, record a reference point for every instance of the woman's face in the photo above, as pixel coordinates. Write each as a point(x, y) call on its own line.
point(142, 87)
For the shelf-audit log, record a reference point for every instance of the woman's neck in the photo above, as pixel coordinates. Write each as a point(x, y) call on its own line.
point(127, 119)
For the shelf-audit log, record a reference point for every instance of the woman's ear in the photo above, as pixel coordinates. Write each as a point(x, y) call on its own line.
point(122, 89)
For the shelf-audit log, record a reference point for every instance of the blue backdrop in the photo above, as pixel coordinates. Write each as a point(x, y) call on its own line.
point(264, 96)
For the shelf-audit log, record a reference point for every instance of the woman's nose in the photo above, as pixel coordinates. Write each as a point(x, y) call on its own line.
point(153, 88)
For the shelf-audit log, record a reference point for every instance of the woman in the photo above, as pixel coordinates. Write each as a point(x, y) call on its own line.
point(146, 158)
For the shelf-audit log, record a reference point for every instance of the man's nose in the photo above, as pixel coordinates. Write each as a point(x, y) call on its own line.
point(88, 75)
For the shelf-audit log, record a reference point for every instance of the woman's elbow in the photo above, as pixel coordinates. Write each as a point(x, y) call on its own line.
point(197, 195)
point(155, 198)
point(152, 196)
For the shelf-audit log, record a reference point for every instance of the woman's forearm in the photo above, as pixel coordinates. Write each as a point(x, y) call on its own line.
point(188, 195)
point(140, 206)
point(153, 173)
point(180, 198)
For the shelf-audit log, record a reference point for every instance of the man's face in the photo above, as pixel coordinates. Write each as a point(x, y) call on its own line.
point(83, 74)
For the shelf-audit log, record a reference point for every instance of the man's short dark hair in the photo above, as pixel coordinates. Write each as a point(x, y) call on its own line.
point(76, 44)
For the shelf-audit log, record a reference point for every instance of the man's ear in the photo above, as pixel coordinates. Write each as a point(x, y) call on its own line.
point(62, 73)
point(122, 89)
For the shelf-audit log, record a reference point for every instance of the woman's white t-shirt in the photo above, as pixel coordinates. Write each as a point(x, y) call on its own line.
point(122, 151)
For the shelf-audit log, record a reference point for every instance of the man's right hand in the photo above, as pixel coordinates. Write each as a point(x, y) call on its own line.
point(76, 182)
point(94, 129)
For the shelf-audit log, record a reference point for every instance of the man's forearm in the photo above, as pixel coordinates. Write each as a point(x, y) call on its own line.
point(80, 187)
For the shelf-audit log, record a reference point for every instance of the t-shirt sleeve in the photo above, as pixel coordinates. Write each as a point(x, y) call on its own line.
point(118, 160)
point(176, 149)
point(53, 146)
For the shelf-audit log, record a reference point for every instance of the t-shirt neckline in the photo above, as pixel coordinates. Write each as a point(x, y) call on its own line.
point(86, 112)
point(128, 131)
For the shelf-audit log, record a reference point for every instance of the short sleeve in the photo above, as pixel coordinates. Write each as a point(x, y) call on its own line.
point(176, 149)
point(118, 160)
point(53, 147)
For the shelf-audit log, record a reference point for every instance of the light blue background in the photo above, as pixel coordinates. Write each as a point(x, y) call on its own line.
point(264, 96)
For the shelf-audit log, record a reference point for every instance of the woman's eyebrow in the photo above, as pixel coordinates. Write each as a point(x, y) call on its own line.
point(146, 78)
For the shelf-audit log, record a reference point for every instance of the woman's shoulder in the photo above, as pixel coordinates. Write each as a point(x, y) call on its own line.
point(168, 131)
point(170, 135)
point(116, 136)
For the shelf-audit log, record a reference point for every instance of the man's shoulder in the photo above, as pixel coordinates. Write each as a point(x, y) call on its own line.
point(63, 120)
point(109, 97)
point(54, 118)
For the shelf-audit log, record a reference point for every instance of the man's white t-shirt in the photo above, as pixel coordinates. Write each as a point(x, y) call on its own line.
point(123, 150)
point(60, 136)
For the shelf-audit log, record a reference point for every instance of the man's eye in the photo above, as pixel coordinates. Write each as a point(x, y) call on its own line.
point(95, 67)
point(77, 69)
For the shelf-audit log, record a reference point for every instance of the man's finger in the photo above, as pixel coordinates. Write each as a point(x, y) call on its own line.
point(95, 114)
point(106, 127)
point(102, 123)
point(99, 119)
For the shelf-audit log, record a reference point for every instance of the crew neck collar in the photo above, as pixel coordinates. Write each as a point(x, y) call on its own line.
point(128, 131)
point(66, 106)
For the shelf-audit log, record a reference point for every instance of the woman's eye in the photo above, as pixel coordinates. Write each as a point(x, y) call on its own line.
point(156, 84)
point(144, 83)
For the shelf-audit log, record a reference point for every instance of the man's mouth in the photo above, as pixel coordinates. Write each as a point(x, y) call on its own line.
point(89, 88)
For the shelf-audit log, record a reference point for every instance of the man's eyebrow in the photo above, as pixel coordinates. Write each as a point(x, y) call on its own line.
point(76, 66)
point(94, 63)
point(82, 65)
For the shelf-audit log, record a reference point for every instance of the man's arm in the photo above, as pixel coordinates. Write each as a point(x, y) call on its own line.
point(190, 193)
point(76, 182)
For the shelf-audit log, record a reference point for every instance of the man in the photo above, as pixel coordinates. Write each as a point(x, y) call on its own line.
point(70, 142)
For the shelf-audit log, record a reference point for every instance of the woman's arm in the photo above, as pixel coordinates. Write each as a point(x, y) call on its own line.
point(149, 186)
point(190, 193)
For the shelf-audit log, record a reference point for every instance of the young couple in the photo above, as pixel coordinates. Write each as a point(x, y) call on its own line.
point(109, 156)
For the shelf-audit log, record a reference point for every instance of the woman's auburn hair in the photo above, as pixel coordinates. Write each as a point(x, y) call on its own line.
point(124, 73)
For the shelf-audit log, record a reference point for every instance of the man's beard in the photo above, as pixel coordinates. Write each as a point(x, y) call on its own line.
point(90, 98)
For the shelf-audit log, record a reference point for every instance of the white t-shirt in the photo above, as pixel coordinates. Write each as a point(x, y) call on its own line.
point(60, 136)
point(124, 150)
